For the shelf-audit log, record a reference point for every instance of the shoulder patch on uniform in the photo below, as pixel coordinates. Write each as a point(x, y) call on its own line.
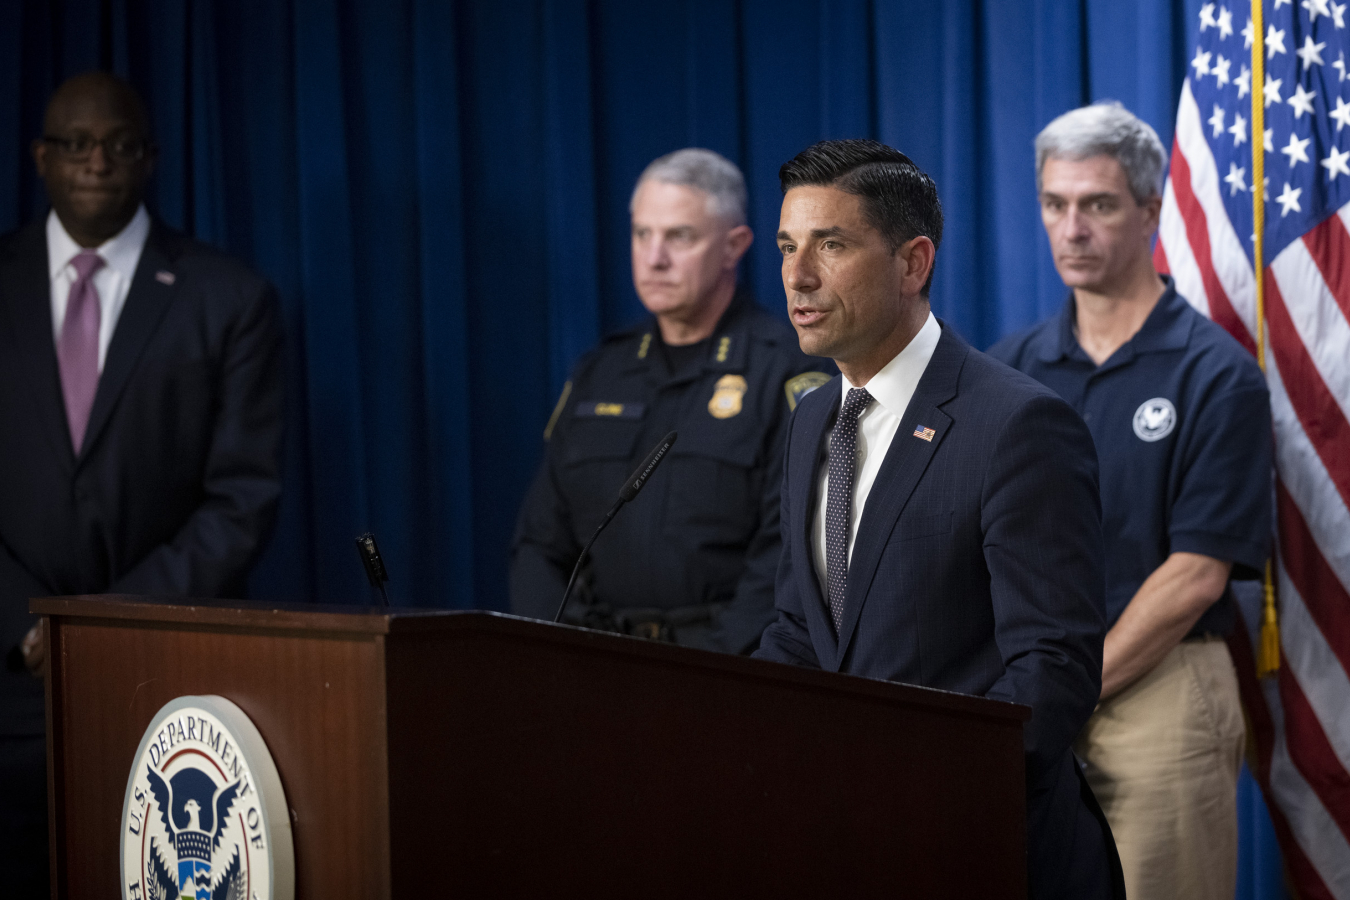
point(798, 387)
point(557, 410)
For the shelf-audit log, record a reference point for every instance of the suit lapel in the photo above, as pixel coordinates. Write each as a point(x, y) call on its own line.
point(147, 301)
point(27, 300)
point(900, 472)
point(813, 424)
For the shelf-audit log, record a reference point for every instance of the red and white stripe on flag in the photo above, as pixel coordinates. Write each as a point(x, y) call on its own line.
point(1301, 717)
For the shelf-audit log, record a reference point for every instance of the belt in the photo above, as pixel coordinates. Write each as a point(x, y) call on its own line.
point(1203, 637)
point(652, 623)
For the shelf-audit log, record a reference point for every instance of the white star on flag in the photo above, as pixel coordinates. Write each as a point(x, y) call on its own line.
point(1302, 101)
point(1297, 150)
point(1200, 63)
point(1265, 189)
point(1271, 91)
point(1220, 70)
point(1310, 53)
point(1239, 129)
point(1339, 65)
point(1289, 200)
point(1335, 163)
point(1243, 82)
point(1315, 8)
point(1274, 41)
point(1216, 120)
point(1338, 13)
point(1269, 140)
point(1235, 179)
point(1341, 114)
point(1207, 17)
point(1279, 3)
point(1225, 22)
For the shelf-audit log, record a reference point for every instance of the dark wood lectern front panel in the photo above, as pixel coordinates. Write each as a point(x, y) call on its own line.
point(479, 755)
point(317, 698)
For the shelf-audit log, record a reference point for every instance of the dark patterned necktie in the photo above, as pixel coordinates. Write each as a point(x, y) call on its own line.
point(77, 347)
point(839, 506)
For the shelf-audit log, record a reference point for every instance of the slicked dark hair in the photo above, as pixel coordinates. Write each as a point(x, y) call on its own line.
point(898, 199)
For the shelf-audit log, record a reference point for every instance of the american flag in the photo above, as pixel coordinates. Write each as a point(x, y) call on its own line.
point(1301, 716)
point(924, 433)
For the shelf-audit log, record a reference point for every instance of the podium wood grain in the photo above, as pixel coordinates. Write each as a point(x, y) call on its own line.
point(475, 754)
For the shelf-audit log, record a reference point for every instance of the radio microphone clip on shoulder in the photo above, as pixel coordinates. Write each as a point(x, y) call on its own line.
point(626, 493)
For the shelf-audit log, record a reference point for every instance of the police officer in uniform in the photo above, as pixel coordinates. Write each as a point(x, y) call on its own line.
point(692, 559)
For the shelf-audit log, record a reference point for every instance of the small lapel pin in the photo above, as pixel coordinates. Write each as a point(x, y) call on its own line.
point(924, 434)
point(165, 277)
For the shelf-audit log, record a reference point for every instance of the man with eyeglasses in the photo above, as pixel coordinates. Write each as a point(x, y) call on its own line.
point(140, 416)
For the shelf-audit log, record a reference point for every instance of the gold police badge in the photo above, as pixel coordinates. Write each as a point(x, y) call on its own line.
point(727, 395)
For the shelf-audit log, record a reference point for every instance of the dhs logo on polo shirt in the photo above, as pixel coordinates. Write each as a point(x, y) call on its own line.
point(1155, 419)
point(204, 815)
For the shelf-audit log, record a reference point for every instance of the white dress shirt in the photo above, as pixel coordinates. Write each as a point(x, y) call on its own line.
point(891, 390)
point(121, 254)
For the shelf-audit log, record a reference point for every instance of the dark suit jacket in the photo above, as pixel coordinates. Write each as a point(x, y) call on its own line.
point(977, 568)
point(179, 476)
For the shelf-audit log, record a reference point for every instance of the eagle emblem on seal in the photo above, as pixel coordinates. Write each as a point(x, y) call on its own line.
point(189, 864)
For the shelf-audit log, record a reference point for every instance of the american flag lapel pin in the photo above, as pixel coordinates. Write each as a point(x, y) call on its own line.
point(165, 277)
point(924, 434)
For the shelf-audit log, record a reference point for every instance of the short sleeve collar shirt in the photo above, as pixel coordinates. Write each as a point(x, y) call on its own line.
point(1180, 416)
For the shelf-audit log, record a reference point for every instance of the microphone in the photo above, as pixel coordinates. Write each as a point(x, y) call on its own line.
point(626, 493)
point(374, 563)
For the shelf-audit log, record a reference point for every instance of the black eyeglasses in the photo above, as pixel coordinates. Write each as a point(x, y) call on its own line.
point(117, 149)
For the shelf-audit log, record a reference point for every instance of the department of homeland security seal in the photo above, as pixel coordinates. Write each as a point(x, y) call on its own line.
point(204, 816)
point(1154, 419)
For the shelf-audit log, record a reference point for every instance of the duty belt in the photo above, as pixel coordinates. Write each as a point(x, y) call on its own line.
point(652, 623)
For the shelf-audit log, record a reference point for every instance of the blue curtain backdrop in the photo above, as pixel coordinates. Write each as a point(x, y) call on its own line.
point(439, 190)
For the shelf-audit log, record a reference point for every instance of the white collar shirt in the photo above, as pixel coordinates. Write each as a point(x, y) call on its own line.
point(891, 390)
point(121, 254)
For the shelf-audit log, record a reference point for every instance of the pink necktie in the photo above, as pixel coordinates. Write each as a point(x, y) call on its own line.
point(77, 348)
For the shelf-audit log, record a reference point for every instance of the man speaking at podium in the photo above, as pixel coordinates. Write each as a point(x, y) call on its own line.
point(140, 416)
point(941, 520)
point(692, 559)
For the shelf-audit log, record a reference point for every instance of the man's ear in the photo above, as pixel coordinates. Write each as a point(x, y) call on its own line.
point(1152, 214)
point(916, 256)
point(40, 156)
point(739, 240)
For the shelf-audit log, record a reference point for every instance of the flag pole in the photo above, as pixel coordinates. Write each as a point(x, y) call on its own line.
point(1268, 658)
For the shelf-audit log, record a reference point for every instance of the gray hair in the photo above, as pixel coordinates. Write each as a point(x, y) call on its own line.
point(704, 170)
point(1106, 129)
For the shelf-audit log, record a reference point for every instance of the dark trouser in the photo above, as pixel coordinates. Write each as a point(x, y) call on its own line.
point(23, 817)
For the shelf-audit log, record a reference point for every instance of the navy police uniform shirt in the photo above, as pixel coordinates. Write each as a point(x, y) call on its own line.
point(1180, 415)
point(704, 529)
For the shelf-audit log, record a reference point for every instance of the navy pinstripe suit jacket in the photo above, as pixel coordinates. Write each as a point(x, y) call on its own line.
point(977, 567)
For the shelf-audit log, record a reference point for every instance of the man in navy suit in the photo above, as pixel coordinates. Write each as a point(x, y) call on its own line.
point(140, 416)
point(941, 519)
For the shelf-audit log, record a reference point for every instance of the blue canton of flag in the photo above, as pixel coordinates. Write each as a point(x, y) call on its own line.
point(1307, 109)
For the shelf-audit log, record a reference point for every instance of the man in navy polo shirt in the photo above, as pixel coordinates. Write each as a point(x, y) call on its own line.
point(1180, 416)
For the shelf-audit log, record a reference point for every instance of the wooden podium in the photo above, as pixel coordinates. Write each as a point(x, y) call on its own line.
point(429, 754)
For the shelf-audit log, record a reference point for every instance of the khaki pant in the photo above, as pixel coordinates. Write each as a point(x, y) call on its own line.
point(1162, 756)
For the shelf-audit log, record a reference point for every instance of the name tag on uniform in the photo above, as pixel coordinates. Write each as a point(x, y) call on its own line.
point(599, 409)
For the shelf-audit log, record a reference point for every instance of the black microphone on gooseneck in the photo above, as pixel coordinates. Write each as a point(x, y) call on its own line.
point(626, 493)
